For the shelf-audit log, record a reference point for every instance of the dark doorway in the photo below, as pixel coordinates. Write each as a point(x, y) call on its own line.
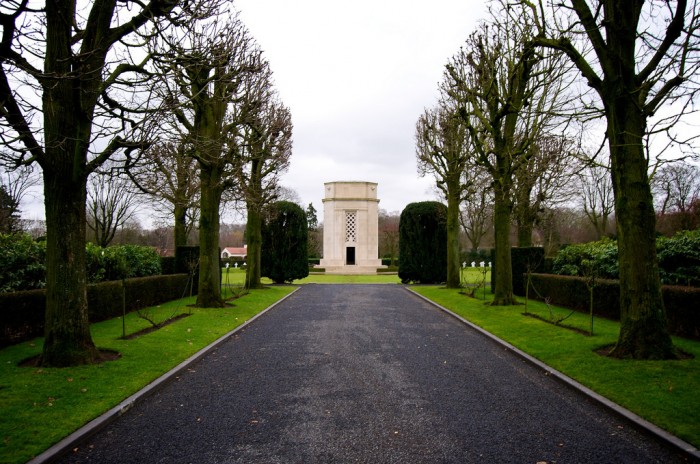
point(350, 256)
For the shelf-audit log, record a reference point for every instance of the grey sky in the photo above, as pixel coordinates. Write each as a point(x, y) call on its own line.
point(356, 76)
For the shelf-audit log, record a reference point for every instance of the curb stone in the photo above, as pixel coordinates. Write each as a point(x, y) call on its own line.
point(638, 422)
point(64, 446)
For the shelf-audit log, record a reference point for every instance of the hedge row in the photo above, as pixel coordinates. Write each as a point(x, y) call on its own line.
point(682, 310)
point(22, 313)
point(522, 260)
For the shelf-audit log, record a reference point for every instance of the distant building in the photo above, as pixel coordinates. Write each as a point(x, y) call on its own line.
point(350, 228)
point(235, 252)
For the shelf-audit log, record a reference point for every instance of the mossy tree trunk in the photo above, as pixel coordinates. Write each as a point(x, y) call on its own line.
point(453, 227)
point(254, 236)
point(503, 291)
point(209, 293)
point(67, 330)
point(643, 325)
point(254, 205)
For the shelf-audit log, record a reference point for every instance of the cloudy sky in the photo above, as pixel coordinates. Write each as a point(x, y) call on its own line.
point(356, 76)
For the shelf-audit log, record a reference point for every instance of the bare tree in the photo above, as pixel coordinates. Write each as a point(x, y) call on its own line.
point(596, 194)
point(168, 173)
point(15, 184)
point(543, 182)
point(443, 149)
point(676, 188)
point(111, 203)
point(508, 95)
point(261, 155)
point(80, 62)
point(476, 215)
point(638, 56)
point(388, 228)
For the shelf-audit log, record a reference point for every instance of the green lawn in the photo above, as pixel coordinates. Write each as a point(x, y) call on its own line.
point(41, 406)
point(666, 393)
point(236, 277)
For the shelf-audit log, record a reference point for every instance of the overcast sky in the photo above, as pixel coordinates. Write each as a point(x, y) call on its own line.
point(356, 76)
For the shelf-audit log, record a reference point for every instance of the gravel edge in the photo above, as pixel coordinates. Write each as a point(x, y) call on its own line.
point(71, 441)
point(638, 422)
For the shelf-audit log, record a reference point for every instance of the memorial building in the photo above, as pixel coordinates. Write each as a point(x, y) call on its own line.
point(350, 228)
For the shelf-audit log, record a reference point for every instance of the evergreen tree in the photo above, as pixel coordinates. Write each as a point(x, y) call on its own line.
point(423, 243)
point(311, 217)
point(284, 243)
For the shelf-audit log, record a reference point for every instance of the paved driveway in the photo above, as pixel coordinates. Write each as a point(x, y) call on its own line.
point(369, 374)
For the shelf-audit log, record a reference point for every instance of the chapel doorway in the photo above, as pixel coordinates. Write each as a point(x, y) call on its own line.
point(350, 256)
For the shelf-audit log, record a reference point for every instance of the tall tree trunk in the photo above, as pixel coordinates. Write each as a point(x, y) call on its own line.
point(453, 279)
point(525, 234)
point(67, 132)
point(503, 293)
point(180, 232)
point(67, 331)
point(643, 325)
point(254, 236)
point(209, 295)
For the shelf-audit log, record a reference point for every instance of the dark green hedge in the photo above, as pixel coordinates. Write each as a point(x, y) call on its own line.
point(520, 260)
point(285, 232)
point(423, 243)
point(681, 305)
point(22, 313)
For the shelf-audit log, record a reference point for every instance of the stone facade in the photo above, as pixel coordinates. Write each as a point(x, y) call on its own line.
point(350, 228)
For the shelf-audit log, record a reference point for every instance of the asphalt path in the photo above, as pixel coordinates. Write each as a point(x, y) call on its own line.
point(368, 374)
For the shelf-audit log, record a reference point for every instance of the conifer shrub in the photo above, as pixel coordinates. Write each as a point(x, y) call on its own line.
point(423, 243)
point(284, 256)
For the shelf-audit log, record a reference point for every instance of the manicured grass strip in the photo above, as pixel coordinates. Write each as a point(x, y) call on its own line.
point(665, 393)
point(236, 277)
point(41, 406)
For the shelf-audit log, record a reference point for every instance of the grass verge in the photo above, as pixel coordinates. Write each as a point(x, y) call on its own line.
point(236, 277)
point(663, 392)
point(41, 406)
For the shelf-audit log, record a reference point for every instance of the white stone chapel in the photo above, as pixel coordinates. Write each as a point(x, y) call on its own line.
point(350, 228)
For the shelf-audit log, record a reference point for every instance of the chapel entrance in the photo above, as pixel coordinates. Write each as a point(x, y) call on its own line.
point(350, 256)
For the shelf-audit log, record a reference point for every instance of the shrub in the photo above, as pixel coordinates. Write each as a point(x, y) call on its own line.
point(423, 243)
point(121, 262)
point(679, 258)
point(599, 258)
point(21, 263)
point(284, 256)
point(95, 262)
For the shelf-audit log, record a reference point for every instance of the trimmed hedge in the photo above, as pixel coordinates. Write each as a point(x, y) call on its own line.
point(423, 243)
point(285, 235)
point(22, 313)
point(521, 259)
point(680, 302)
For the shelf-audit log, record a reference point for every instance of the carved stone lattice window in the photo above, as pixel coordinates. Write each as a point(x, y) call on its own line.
point(351, 226)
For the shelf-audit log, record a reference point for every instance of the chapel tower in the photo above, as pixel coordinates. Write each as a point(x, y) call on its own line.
point(350, 228)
